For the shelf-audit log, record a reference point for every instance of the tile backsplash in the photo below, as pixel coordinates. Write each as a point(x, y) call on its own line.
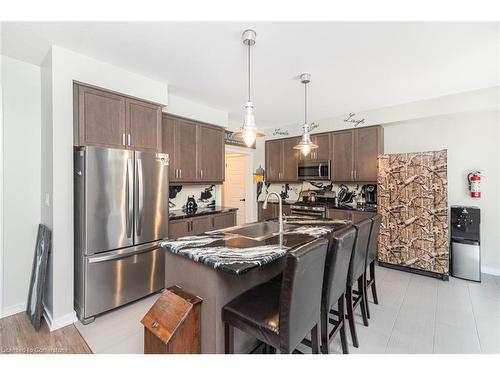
point(292, 192)
point(179, 194)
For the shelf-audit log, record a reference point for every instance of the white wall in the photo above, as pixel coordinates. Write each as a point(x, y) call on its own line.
point(196, 111)
point(473, 143)
point(1, 177)
point(21, 147)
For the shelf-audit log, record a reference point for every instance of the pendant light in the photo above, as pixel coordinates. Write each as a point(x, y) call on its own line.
point(249, 130)
point(305, 145)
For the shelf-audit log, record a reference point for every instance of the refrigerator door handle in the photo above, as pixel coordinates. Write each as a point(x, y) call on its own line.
point(140, 193)
point(119, 254)
point(130, 197)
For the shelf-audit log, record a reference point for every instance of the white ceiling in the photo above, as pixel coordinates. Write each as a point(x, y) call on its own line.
point(354, 66)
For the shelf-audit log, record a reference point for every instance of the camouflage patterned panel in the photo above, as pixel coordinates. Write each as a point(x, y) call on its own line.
point(413, 201)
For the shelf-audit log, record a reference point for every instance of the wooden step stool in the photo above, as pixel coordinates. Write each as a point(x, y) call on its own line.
point(172, 325)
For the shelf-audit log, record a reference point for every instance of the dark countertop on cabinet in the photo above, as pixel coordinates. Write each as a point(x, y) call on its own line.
point(237, 254)
point(180, 214)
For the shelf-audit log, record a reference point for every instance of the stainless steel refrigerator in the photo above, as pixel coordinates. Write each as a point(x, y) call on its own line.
point(121, 213)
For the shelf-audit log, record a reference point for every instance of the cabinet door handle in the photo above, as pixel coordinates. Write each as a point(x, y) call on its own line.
point(352, 174)
point(201, 171)
point(123, 139)
point(355, 174)
point(180, 173)
point(129, 139)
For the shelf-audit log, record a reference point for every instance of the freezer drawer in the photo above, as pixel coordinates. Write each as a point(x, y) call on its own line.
point(115, 278)
point(466, 260)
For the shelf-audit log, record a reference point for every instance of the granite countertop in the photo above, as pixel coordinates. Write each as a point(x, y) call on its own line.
point(180, 214)
point(237, 254)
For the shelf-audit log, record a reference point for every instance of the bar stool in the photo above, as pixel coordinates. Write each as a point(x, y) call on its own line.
point(357, 274)
point(282, 314)
point(334, 288)
point(371, 257)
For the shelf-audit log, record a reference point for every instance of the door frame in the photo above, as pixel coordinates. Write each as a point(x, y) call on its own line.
point(251, 197)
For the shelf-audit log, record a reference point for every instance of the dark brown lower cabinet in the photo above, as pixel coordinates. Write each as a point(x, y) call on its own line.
point(225, 220)
point(199, 224)
point(272, 211)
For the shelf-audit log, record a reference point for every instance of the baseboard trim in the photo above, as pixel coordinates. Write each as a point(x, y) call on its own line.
point(61, 322)
point(14, 309)
point(490, 270)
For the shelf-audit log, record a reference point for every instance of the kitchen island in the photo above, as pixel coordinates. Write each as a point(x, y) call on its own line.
point(219, 265)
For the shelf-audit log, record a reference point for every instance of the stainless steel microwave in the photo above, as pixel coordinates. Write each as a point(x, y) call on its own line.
point(314, 170)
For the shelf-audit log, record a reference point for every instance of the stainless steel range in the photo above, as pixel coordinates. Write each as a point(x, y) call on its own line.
point(309, 210)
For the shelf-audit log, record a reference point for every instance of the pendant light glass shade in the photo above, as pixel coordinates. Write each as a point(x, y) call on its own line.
point(249, 130)
point(305, 145)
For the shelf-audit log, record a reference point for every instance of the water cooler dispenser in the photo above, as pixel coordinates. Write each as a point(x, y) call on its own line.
point(465, 243)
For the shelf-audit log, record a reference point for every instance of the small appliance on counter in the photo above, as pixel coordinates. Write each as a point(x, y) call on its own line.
point(369, 193)
point(191, 205)
point(465, 243)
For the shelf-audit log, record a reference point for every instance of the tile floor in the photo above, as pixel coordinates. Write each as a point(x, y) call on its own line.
point(415, 314)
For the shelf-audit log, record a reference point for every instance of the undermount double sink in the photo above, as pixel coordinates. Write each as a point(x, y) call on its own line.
point(259, 231)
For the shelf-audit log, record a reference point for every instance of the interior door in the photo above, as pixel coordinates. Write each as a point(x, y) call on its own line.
point(150, 198)
point(235, 186)
point(108, 178)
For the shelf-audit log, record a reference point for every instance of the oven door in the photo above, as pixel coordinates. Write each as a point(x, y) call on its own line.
point(314, 170)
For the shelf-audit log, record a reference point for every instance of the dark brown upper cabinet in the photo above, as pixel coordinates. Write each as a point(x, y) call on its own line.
point(368, 143)
point(196, 150)
point(355, 154)
point(99, 118)
point(274, 160)
point(106, 119)
point(144, 125)
point(343, 156)
point(210, 153)
point(324, 150)
point(282, 160)
point(186, 139)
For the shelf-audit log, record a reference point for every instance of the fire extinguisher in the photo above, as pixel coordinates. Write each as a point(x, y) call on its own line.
point(474, 184)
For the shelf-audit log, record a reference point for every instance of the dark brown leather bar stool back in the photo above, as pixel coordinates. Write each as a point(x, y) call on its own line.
point(282, 315)
point(372, 256)
point(300, 295)
point(356, 274)
point(334, 286)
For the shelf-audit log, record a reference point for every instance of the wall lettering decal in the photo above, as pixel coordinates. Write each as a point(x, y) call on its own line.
point(279, 131)
point(350, 118)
